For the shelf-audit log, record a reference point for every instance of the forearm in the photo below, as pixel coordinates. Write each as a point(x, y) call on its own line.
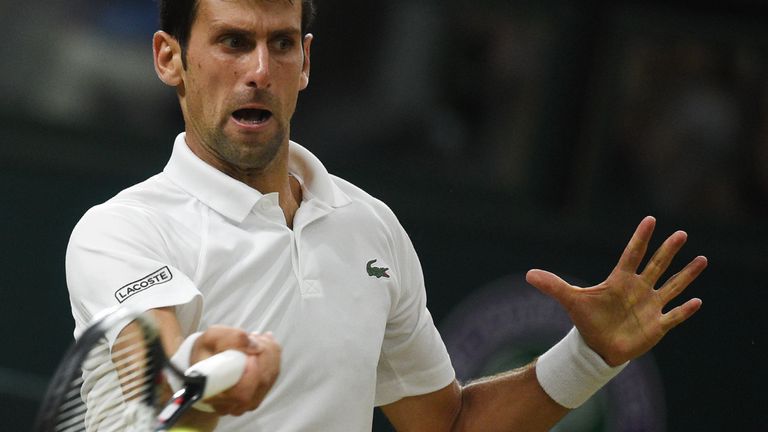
point(172, 338)
point(512, 401)
point(532, 398)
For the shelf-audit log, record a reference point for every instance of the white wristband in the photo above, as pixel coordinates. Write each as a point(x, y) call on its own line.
point(570, 372)
point(180, 359)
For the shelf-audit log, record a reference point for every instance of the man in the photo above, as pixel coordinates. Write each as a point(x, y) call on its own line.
point(246, 229)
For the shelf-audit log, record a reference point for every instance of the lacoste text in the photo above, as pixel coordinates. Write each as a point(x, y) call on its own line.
point(159, 277)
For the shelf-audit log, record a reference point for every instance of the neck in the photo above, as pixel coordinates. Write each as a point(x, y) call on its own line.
point(291, 200)
point(276, 178)
point(287, 187)
point(272, 178)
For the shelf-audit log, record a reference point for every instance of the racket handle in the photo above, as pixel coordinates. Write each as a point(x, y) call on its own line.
point(222, 370)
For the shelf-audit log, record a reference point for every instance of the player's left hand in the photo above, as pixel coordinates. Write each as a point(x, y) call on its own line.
point(622, 317)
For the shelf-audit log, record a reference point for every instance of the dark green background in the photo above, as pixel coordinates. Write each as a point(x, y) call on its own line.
point(572, 214)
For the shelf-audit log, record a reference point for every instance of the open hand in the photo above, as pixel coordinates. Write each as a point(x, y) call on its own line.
point(622, 317)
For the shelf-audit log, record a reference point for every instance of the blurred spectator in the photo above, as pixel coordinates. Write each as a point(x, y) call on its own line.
point(93, 70)
point(494, 76)
point(461, 84)
point(685, 127)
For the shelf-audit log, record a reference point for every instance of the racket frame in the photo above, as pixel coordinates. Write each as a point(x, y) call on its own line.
point(71, 368)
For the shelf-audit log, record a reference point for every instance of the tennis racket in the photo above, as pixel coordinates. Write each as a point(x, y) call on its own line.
point(122, 386)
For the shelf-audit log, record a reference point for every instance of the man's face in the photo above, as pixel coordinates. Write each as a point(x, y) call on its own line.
point(245, 67)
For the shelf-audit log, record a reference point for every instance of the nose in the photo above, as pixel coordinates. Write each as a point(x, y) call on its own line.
point(258, 75)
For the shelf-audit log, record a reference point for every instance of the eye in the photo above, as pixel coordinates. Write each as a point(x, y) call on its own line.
point(285, 44)
point(234, 42)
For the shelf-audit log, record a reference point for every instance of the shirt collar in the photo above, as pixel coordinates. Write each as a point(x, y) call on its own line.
point(314, 177)
point(235, 199)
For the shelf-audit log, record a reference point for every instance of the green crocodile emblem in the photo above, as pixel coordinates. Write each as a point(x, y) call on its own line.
point(377, 272)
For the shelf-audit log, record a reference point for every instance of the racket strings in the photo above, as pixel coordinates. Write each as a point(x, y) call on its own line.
point(97, 401)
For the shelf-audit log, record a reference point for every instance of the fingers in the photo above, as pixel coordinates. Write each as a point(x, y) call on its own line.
point(261, 370)
point(661, 259)
point(221, 338)
point(674, 286)
point(679, 314)
point(550, 284)
point(239, 399)
point(679, 282)
point(635, 251)
point(260, 374)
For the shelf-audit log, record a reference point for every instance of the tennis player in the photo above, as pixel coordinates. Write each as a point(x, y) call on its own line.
point(245, 232)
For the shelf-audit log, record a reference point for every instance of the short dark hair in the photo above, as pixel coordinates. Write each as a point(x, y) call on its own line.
point(177, 16)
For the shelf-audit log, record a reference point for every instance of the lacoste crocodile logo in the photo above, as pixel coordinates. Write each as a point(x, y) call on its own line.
point(377, 272)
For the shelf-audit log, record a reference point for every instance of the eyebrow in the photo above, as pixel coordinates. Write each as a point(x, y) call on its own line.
point(223, 28)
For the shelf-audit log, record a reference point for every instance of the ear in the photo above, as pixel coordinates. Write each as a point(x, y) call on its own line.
point(305, 66)
point(167, 55)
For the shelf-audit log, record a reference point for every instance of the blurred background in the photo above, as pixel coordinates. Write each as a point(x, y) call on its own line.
point(506, 135)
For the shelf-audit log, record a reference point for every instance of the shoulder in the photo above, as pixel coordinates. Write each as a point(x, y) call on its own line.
point(366, 203)
point(375, 220)
point(141, 209)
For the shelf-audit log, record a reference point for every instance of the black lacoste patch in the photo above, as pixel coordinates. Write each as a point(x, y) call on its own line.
point(159, 277)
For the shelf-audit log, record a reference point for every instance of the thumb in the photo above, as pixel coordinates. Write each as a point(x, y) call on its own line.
point(549, 283)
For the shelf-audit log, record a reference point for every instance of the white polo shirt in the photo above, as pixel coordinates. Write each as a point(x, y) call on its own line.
point(343, 291)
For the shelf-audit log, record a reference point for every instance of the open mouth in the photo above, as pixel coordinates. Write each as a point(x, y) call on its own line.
point(252, 116)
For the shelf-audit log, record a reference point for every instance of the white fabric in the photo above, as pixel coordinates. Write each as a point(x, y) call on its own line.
point(180, 359)
point(353, 335)
point(571, 372)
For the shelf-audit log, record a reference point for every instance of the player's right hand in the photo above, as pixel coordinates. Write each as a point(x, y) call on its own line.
point(261, 370)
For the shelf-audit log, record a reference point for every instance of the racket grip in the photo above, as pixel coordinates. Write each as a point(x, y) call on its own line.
point(222, 370)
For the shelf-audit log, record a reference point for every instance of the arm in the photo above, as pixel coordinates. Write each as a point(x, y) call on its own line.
point(261, 371)
point(126, 242)
point(619, 319)
point(501, 403)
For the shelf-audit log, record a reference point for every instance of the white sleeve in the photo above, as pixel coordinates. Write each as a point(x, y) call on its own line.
point(117, 256)
point(413, 359)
